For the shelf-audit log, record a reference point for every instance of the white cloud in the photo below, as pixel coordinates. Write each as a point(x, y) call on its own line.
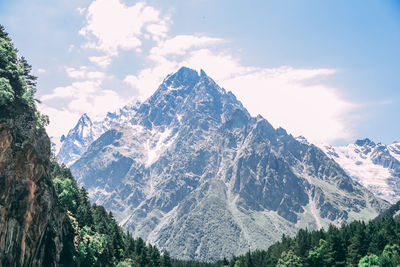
point(71, 47)
point(40, 71)
point(81, 10)
point(147, 80)
point(180, 45)
point(281, 96)
point(86, 97)
point(112, 25)
point(102, 61)
point(81, 97)
point(76, 73)
point(61, 121)
point(84, 73)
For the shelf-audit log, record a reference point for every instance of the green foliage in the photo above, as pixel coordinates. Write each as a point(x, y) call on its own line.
point(67, 192)
point(126, 263)
point(317, 255)
point(166, 260)
point(390, 256)
point(17, 85)
point(289, 259)
point(6, 92)
point(91, 246)
point(370, 261)
point(10, 68)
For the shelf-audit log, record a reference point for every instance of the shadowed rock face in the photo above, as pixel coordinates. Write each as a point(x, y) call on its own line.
point(34, 232)
point(194, 173)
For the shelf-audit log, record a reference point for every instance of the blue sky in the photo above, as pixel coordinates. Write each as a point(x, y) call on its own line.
point(328, 70)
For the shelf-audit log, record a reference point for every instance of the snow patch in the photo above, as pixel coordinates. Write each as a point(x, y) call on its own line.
point(361, 168)
point(394, 150)
point(154, 151)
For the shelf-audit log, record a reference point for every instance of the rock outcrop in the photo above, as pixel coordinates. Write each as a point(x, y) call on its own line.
point(34, 230)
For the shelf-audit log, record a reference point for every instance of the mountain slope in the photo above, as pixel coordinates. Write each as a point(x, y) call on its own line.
point(85, 132)
point(375, 166)
point(195, 173)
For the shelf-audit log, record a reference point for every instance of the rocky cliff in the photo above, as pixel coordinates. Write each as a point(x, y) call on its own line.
point(34, 231)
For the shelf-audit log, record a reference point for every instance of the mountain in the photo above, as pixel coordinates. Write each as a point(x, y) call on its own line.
point(86, 131)
point(375, 166)
point(193, 172)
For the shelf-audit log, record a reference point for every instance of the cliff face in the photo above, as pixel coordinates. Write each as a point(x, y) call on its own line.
point(34, 230)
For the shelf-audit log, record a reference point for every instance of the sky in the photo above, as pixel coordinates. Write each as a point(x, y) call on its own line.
point(327, 70)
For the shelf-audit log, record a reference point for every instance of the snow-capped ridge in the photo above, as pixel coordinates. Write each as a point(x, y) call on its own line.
point(374, 165)
point(302, 140)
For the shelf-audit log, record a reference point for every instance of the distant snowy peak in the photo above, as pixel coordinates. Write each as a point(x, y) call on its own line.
point(86, 131)
point(375, 166)
point(394, 150)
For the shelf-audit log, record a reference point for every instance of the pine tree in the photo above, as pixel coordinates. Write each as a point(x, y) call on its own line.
point(317, 255)
point(390, 256)
point(358, 246)
point(166, 260)
point(303, 243)
point(4, 34)
point(336, 252)
point(27, 69)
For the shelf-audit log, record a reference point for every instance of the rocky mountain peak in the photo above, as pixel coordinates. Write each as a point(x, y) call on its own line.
point(364, 142)
point(83, 129)
point(184, 77)
point(187, 97)
point(193, 171)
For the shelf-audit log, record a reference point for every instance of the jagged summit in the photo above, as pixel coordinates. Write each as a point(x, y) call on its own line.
point(183, 77)
point(363, 142)
point(186, 93)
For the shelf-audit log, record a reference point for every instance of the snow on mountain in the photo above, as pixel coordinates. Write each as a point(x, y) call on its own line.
point(394, 150)
point(375, 166)
point(194, 173)
point(302, 140)
point(85, 132)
